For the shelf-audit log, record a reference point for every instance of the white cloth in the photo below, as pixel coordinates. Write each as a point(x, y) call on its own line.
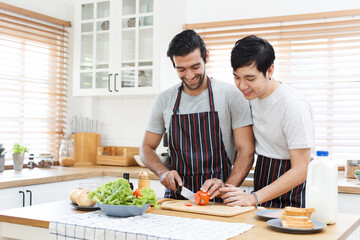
point(97, 225)
point(282, 121)
point(233, 110)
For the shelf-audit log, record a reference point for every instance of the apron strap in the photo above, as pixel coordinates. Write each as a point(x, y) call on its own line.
point(211, 97)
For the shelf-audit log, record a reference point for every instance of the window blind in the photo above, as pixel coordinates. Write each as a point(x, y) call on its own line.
point(318, 54)
point(33, 80)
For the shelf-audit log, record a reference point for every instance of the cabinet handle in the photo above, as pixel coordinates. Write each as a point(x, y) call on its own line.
point(30, 196)
point(109, 76)
point(115, 82)
point(22, 192)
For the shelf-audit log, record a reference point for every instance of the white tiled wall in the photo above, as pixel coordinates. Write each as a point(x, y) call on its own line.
point(124, 119)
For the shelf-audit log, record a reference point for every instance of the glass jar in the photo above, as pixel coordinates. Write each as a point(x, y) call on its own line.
point(350, 168)
point(45, 160)
point(67, 153)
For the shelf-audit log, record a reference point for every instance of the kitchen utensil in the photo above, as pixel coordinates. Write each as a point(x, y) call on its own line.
point(268, 214)
point(77, 207)
point(123, 210)
point(86, 147)
point(276, 224)
point(186, 193)
point(216, 209)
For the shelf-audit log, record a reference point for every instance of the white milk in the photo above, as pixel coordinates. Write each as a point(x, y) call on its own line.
point(322, 188)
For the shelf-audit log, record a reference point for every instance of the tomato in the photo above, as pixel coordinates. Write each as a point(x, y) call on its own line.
point(137, 193)
point(201, 198)
point(188, 204)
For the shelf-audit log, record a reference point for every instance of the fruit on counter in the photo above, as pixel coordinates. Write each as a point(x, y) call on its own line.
point(83, 200)
point(118, 192)
point(357, 172)
point(201, 198)
point(73, 194)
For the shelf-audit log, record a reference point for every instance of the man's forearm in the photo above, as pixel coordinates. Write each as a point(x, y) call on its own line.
point(152, 161)
point(242, 166)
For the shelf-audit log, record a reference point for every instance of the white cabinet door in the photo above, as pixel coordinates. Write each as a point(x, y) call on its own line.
point(51, 192)
point(350, 204)
point(11, 198)
point(42, 193)
point(114, 44)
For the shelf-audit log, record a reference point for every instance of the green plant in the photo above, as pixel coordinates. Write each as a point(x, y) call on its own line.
point(357, 172)
point(19, 149)
point(2, 151)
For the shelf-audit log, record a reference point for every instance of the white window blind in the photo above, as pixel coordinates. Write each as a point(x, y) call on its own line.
point(318, 54)
point(33, 80)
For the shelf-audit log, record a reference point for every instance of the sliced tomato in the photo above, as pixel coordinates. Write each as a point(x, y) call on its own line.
point(137, 193)
point(201, 198)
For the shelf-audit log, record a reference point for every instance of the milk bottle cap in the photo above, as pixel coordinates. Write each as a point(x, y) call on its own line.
point(322, 153)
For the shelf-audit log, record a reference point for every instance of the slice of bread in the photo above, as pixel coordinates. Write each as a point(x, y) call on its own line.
point(294, 211)
point(293, 224)
point(294, 218)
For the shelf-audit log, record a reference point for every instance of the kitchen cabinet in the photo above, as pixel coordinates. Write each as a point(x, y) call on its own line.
point(114, 47)
point(350, 204)
point(40, 193)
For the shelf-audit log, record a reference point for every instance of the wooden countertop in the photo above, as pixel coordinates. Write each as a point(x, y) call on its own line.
point(26, 177)
point(41, 215)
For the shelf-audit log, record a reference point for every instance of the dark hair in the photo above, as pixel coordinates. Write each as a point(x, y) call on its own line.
point(184, 43)
point(252, 49)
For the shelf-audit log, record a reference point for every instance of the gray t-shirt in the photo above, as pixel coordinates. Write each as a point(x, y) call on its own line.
point(233, 110)
point(282, 121)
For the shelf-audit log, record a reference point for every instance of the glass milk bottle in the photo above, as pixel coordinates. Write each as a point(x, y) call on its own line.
point(322, 188)
point(67, 153)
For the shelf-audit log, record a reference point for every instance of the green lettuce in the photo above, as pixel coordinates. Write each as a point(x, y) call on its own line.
point(118, 192)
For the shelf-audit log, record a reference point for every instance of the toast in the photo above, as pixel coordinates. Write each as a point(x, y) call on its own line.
point(293, 217)
point(293, 211)
point(292, 224)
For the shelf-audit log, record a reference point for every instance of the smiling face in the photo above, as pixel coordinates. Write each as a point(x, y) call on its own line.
point(252, 83)
point(191, 71)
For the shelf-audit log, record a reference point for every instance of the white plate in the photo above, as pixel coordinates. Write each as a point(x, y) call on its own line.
point(276, 223)
point(268, 213)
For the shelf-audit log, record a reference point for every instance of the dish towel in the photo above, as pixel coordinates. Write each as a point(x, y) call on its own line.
point(97, 225)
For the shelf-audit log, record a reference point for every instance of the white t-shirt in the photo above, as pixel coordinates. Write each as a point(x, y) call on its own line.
point(282, 121)
point(233, 110)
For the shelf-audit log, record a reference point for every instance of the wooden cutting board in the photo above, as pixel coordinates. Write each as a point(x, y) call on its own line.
point(216, 209)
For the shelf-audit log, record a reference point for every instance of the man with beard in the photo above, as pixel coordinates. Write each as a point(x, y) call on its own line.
point(208, 123)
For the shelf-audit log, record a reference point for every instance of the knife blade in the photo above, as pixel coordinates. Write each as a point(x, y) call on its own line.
point(186, 193)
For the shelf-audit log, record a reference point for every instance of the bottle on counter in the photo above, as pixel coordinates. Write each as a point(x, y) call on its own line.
point(144, 179)
point(322, 188)
point(127, 177)
point(31, 163)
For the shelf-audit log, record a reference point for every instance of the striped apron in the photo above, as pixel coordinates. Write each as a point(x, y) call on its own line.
point(197, 150)
point(267, 170)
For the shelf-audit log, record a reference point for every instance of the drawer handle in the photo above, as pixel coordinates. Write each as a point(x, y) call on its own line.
point(30, 196)
point(23, 195)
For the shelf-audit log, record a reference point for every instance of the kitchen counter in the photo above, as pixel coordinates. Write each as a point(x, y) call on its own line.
point(37, 218)
point(26, 177)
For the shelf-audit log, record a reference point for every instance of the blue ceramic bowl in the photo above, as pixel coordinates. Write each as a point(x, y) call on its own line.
point(122, 210)
point(357, 177)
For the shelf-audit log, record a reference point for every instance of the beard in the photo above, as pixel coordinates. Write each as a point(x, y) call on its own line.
point(197, 84)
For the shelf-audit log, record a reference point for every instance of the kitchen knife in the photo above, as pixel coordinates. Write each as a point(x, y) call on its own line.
point(186, 193)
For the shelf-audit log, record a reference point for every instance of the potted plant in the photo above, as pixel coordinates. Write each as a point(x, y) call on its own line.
point(2, 158)
point(18, 156)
